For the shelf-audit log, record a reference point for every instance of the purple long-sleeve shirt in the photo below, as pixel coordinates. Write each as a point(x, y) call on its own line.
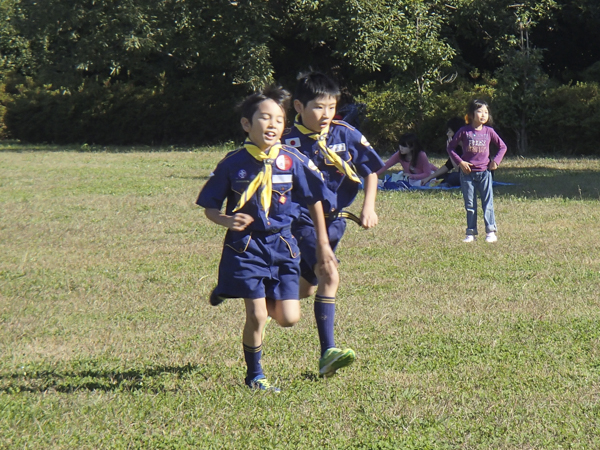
point(476, 147)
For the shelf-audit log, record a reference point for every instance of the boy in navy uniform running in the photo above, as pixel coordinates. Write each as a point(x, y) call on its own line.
point(263, 182)
point(341, 153)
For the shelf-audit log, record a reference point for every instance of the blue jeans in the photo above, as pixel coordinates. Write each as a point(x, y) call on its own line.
point(470, 184)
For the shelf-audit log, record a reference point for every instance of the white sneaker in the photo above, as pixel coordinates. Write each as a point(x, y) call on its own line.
point(469, 238)
point(491, 237)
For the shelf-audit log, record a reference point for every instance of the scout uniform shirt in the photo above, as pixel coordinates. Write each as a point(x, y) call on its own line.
point(295, 179)
point(351, 146)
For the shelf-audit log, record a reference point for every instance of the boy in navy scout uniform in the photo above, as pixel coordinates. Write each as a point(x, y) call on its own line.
point(341, 153)
point(263, 182)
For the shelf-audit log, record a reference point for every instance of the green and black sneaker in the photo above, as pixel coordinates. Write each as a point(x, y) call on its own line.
point(334, 359)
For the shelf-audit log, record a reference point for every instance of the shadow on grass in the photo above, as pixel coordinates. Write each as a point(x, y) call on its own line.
point(544, 182)
point(154, 379)
point(310, 376)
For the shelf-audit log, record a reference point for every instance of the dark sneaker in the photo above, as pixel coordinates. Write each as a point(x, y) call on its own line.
point(261, 383)
point(215, 299)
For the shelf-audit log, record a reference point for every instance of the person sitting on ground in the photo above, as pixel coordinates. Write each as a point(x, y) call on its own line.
point(410, 155)
point(446, 173)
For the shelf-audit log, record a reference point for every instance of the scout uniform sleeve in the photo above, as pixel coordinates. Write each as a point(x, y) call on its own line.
point(216, 189)
point(309, 186)
point(365, 158)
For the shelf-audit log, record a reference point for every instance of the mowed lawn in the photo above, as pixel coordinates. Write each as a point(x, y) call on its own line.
point(107, 339)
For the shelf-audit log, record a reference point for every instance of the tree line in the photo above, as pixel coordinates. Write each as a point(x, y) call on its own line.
point(171, 71)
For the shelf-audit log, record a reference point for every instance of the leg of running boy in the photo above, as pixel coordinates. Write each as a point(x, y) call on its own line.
point(256, 319)
point(285, 312)
point(332, 358)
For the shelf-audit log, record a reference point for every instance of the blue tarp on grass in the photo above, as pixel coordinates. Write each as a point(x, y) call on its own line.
point(402, 185)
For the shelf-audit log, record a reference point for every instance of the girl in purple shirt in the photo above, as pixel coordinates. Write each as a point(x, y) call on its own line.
point(475, 165)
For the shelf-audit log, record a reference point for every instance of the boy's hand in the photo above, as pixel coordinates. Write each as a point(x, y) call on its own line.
point(327, 263)
point(368, 218)
point(239, 221)
point(492, 165)
point(465, 167)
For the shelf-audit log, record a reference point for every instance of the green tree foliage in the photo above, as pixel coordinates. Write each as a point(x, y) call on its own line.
point(171, 71)
point(107, 71)
point(400, 42)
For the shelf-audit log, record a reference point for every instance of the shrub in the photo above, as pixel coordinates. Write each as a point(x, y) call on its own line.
point(569, 122)
point(121, 113)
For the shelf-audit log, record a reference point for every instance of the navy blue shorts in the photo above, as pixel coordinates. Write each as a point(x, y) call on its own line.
point(307, 241)
point(260, 265)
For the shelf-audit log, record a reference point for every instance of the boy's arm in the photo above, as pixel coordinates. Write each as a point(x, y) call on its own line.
point(237, 222)
point(368, 216)
point(326, 260)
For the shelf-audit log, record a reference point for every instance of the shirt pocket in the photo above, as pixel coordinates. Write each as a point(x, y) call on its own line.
point(238, 243)
point(239, 186)
point(291, 245)
point(282, 188)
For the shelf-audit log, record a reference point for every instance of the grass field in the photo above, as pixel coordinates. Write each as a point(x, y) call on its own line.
point(107, 339)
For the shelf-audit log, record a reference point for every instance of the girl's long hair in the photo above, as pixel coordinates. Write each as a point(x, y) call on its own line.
point(411, 141)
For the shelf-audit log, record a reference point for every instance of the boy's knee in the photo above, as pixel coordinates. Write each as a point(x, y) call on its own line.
point(257, 316)
point(257, 321)
point(287, 313)
point(331, 279)
point(289, 321)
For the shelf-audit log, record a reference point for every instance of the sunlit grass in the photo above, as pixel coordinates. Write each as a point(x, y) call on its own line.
point(107, 339)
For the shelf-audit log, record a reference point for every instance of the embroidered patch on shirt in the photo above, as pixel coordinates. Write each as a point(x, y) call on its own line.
point(293, 142)
point(363, 141)
point(338, 148)
point(242, 174)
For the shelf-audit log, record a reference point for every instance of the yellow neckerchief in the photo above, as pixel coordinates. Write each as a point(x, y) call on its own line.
point(264, 179)
point(321, 138)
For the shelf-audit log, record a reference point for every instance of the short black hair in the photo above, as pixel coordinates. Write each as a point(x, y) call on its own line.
point(474, 105)
point(312, 85)
point(276, 93)
point(455, 123)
